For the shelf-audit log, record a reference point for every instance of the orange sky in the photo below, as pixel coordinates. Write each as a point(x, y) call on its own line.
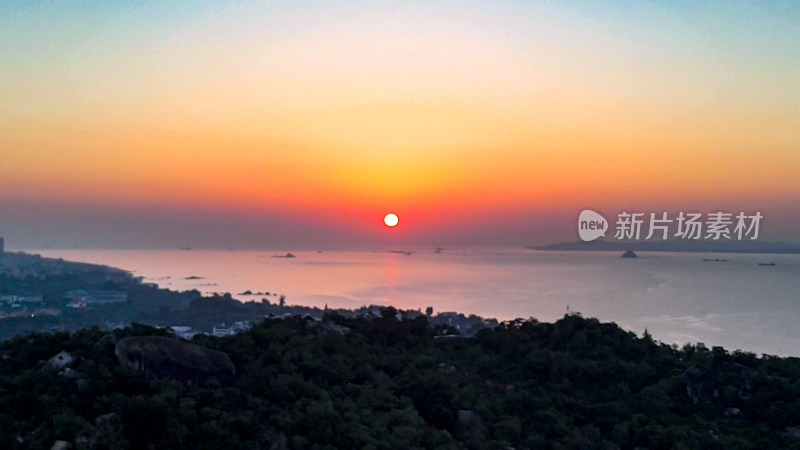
point(339, 114)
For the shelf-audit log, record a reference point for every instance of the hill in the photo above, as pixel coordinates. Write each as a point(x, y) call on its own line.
point(387, 383)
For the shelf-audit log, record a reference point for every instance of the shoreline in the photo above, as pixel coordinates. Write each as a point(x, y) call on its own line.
point(668, 327)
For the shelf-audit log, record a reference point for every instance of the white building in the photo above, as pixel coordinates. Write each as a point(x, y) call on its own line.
point(222, 332)
point(16, 301)
point(241, 326)
point(183, 332)
point(237, 327)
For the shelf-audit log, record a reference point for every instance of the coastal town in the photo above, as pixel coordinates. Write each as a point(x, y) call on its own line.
point(45, 294)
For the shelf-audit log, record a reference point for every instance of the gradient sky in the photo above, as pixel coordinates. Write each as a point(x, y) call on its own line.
point(138, 124)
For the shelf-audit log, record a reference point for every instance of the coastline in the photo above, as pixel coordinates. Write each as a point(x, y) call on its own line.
point(736, 304)
point(54, 280)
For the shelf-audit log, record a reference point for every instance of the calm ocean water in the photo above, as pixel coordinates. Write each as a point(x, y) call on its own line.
point(677, 297)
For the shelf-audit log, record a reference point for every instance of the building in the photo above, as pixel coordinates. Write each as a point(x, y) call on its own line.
point(241, 326)
point(76, 303)
point(2, 246)
point(184, 332)
point(222, 332)
point(89, 298)
point(237, 327)
point(15, 301)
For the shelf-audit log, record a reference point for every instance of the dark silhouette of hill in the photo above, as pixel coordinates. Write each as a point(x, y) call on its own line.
point(381, 382)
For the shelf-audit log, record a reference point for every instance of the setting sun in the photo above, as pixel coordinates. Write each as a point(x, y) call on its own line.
point(391, 220)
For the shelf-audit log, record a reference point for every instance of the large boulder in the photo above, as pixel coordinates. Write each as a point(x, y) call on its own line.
point(61, 445)
point(164, 357)
point(107, 340)
point(60, 360)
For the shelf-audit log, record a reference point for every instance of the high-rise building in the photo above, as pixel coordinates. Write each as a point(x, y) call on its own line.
point(2, 246)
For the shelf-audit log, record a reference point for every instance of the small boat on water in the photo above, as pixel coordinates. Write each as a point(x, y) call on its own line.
point(766, 264)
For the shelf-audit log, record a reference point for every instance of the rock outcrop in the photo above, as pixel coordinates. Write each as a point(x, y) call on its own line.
point(61, 445)
point(701, 386)
point(107, 340)
point(164, 357)
point(60, 360)
point(325, 327)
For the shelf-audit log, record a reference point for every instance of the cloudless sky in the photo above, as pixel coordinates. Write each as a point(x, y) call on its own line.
point(269, 124)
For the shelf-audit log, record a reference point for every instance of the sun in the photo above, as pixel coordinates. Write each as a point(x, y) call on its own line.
point(391, 220)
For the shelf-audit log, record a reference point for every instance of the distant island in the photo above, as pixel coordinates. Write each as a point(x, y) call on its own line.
point(288, 255)
point(698, 246)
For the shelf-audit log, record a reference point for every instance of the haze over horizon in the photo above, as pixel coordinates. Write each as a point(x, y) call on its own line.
point(283, 126)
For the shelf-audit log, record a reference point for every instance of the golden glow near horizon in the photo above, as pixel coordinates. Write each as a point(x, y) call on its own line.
point(427, 107)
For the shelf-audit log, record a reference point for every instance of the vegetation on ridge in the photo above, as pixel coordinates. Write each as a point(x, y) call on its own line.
point(384, 383)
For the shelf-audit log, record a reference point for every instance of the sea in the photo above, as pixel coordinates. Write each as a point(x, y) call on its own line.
point(733, 301)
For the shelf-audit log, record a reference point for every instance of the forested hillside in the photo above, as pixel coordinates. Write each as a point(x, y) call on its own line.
point(385, 383)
